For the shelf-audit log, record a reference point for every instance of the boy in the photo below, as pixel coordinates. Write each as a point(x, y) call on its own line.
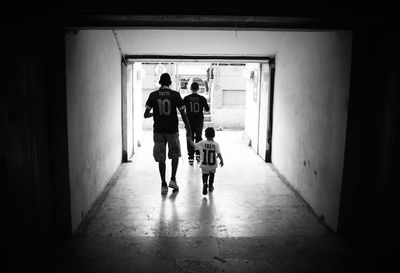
point(209, 150)
point(195, 105)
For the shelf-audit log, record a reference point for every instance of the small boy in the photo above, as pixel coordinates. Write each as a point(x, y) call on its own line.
point(209, 151)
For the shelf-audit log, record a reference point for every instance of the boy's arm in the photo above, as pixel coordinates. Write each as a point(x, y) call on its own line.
point(221, 160)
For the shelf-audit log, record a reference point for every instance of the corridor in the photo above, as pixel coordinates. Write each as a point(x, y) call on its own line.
point(252, 222)
point(72, 110)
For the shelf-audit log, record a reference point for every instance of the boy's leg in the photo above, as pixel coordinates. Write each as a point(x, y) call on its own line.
point(205, 178)
point(205, 185)
point(190, 148)
point(198, 132)
point(211, 181)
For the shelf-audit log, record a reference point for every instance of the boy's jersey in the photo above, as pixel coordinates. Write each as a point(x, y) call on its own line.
point(195, 104)
point(209, 149)
point(164, 103)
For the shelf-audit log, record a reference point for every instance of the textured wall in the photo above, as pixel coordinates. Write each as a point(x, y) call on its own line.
point(310, 115)
point(93, 64)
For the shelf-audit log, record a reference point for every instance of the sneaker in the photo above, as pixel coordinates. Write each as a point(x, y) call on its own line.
point(164, 189)
point(191, 161)
point(174, 185)
point(211, 187)
point(198, 158)
point(205, 186)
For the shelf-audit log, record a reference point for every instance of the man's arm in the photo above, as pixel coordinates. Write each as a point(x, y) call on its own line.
point(186, 121)
point(148, 106)
point(147, 113)
point(181, 107)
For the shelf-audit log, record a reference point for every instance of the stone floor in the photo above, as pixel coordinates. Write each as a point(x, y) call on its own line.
point(252, 222)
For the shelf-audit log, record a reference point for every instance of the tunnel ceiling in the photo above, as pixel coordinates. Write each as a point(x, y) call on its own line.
point(223, 21)
point(272, 14)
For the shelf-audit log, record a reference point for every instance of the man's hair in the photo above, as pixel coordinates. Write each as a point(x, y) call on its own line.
point(194, 86)
point(165, 79)
point(210, 132)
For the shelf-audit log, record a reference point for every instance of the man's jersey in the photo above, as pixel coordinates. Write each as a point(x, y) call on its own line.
point(195, 104)
point(164, 103)
point(209, 149)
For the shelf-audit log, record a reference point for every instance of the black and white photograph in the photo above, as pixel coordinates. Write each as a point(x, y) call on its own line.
point(200, 137)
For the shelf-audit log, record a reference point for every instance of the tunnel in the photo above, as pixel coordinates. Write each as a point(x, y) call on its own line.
point(307, 78)
point(296, 189)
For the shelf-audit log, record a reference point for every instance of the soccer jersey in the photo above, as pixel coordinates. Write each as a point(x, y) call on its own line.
point(164, 103)
point(195, 104)
point(209, 149)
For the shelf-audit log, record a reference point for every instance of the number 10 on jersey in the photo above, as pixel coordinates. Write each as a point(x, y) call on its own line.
point(194, 106)
point(208, 157)
point(164, 107)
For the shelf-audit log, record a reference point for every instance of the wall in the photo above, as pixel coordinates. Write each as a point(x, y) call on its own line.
point(93, 67)
point(200, 42)
point(148, 86)
point(311, 90)
point(252, 106)
point(310, 115)
point(228, 80)
point(222, 118)
point(138, 75)
point(370, 177)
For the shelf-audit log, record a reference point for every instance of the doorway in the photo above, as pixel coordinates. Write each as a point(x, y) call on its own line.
point(239, 92)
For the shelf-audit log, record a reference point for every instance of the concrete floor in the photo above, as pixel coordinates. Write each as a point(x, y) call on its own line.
point(252, 222)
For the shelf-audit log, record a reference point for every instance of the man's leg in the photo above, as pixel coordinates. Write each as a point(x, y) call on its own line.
point(159, 154)
point(174, 167)
point(190, 147)
point(174, 153)
point(161, 168)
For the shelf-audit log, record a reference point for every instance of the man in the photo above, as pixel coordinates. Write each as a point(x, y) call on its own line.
point(195, 104)
point(164, 103)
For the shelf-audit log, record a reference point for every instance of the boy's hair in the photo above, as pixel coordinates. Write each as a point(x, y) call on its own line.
point(165, 79)
point(194, 86)
point(210, 132)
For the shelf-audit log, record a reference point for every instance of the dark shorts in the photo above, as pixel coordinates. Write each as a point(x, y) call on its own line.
point(160, 142)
